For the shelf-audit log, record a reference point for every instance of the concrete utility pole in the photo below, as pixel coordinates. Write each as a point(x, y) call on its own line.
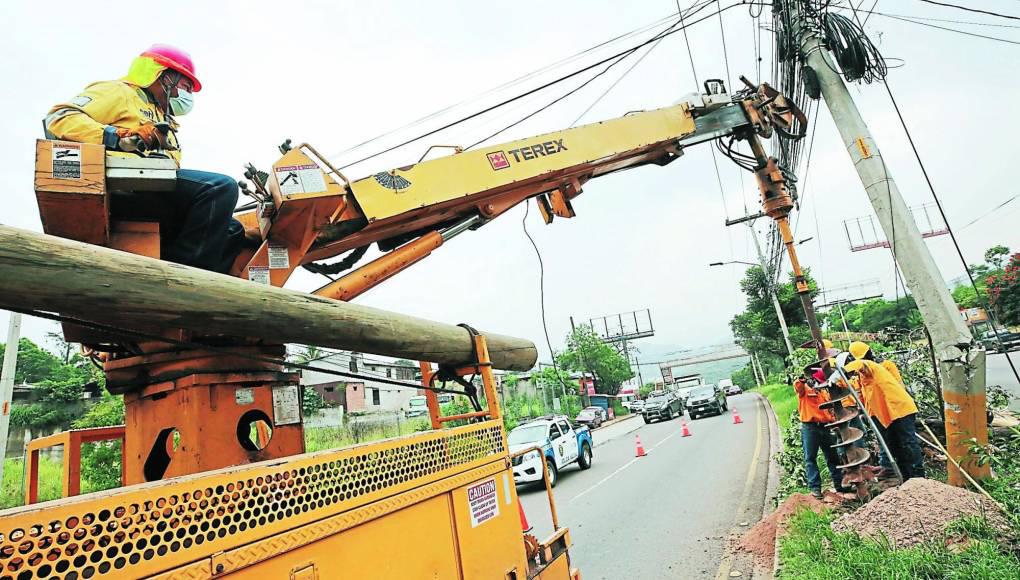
point(7, 384)
point(772, 291)
point(962, 367)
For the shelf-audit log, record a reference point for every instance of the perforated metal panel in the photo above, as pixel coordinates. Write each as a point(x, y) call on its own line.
point(151, 528)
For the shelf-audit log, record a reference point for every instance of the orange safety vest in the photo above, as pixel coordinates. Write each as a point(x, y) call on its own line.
point(808, 400)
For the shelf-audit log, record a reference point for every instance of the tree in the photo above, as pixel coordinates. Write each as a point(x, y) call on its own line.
point(59, 385)
point(757, 328)
point(996, 256)
point(645, 390)
point(966, 297)
point(587, 353)
point(1004, 292)
point(878, 314)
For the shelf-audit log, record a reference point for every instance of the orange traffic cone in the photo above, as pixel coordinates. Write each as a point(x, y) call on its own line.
point(525, 526)
point(736, 417)
point(640, 447)
point(684, 431)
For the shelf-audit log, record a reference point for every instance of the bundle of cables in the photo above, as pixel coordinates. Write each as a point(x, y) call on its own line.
point(856, 54)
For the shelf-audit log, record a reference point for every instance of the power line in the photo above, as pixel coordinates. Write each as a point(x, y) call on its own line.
point(541, 293)
point(968, 9)
point(989, 212)
point(974, 34)
point(509, 83)
point(617, 81)
point(671, 30)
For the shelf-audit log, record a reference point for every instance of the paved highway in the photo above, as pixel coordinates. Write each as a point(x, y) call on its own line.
point(998, 372)
point(666, 515)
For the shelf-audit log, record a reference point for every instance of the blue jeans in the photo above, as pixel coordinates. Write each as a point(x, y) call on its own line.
point(203, 232)
point(815, 436)
point(901, 437)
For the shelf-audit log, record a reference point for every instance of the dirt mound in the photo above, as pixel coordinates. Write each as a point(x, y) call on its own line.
point(917, 511)
point(761, 539)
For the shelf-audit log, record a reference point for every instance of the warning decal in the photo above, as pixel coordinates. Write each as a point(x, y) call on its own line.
point(482, 502)
point(259, 275)
point(286, 405)
point(300, 179)
point(279, 257)
point(66, 161)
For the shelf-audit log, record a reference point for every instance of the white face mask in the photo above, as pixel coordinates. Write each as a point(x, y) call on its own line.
point(182, 103)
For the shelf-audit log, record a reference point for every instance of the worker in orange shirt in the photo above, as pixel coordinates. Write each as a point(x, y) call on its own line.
point(894, 411)
point(814, 435)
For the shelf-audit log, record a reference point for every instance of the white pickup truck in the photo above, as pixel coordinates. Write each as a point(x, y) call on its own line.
point(561, 444)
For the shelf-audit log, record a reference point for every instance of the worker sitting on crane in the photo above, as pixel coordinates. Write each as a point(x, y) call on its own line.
point(888, 402)
point(137, 115)
point(813, 433)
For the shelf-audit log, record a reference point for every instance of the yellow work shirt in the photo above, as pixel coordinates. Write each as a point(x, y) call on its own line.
point(106, 104)
point(884, 397)
point(893, 370)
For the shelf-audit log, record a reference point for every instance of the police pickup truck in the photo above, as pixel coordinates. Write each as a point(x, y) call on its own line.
point(561, 442)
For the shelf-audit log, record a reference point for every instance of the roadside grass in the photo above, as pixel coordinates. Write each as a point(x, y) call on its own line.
point(784, 402)
point(12, 492)
point(812, 550)
point(319, 438)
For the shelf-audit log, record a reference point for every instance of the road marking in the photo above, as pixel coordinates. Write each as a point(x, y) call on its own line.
point(668, 437)
point(727, 561)
point(619, 469)
point(604, 479)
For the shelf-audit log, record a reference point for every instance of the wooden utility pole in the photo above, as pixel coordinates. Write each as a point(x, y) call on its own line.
point(10, 366)
point(133, 292)
point(961, 366)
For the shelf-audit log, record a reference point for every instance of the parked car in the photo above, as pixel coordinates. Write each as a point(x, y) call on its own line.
point(684, 393)
point(662, 405)
point(590, 416)
point(706, 399)
point(733, 390)
point(637, 406)
point(1009, 341)
point(561, 443)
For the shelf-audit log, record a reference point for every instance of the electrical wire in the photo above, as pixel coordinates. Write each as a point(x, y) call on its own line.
point(671, 30)
point(989, 212)
point(945, 219)
point(946, 28)
point(541, 293)
point(508, 84)
point(968, 9)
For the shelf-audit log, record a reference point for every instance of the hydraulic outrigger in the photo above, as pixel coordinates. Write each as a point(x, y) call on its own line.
point(217, 482)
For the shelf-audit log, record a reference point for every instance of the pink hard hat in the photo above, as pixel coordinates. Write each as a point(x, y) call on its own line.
point(176, 59)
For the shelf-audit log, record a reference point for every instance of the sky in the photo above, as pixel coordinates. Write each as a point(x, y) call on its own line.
point(336, 74)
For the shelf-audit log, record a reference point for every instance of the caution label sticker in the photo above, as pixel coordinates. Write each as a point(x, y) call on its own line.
point(279, 257)
point(66, 161)
point(482, 502)
point(286, 405)
point(259, 275)
point(244, 396)
point(300, 179)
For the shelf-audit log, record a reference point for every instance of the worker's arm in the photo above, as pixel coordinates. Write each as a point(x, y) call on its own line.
point(800, 387)
point(90, 117)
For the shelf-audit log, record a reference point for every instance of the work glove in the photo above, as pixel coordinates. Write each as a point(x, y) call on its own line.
point(142, 138)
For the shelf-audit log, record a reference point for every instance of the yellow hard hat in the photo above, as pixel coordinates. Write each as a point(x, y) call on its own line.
point(859, 349)
point(854, 366)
